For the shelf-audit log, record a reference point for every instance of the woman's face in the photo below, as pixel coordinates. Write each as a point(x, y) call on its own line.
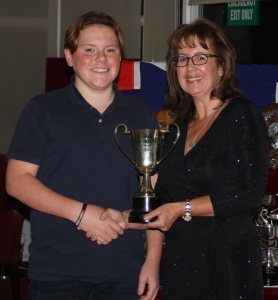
point(96, 61)
point(198, 81)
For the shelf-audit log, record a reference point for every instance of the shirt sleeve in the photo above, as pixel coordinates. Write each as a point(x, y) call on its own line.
point(30, 138)
point(241, 184)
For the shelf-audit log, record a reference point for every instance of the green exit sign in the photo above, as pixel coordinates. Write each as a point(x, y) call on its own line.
point(243, 13)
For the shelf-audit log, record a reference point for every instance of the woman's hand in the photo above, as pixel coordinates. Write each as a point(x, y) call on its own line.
point(166, 215)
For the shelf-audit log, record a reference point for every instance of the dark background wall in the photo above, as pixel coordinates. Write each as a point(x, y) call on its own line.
point(253, 44)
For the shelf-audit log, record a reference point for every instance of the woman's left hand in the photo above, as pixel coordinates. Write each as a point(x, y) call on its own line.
point(166, 215)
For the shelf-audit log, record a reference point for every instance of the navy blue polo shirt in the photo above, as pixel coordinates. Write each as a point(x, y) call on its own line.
point(75, 148)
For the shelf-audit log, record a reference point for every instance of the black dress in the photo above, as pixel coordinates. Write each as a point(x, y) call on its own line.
point(217, 258)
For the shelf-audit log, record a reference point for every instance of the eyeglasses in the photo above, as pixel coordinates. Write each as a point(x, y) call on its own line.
point(197, 60)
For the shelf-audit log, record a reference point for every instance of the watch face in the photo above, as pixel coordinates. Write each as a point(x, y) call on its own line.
point(270, 114)
point(187, 218)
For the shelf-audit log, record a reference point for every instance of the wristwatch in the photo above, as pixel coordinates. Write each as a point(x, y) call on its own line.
point(187, 215)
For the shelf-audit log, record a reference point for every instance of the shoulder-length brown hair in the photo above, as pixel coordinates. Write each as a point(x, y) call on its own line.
point(211, 36)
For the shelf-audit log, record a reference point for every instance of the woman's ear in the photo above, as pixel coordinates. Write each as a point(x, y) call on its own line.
point(220, 71)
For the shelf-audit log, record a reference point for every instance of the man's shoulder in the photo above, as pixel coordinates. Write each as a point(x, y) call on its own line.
point(50, 101)
point(51, 96)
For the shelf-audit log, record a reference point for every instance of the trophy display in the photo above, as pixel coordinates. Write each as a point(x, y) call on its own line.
point(266, 212)
point(267, 227)
point(147, 148)
point(165, 117)
point(269, 238)
point(270, 114)
point(274, 219)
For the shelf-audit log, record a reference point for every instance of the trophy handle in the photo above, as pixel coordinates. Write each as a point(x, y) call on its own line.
point(265, 220)
point(118, 143)
point(175, 141)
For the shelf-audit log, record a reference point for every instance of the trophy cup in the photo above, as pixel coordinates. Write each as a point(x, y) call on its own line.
point(269, 236)
point(267, 227)
point(146, 146)
point(270, 114)
point(274, 219)
point(274, 151)
point(266, 210)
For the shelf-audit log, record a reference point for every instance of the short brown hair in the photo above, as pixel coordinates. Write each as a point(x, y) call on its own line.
point(89, 19)
point(211, 36)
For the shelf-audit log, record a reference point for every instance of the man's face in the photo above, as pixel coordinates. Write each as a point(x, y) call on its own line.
point(96, 61)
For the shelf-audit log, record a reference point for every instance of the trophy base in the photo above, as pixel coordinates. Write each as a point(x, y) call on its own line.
point(270, 275)
point(141, 207)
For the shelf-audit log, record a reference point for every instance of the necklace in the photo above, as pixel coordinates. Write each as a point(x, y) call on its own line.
point(192, 143)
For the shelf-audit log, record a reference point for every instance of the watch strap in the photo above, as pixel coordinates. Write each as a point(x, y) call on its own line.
point(187, 215)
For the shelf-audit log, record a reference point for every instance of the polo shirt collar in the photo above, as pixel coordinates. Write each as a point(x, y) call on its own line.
point(76, 98)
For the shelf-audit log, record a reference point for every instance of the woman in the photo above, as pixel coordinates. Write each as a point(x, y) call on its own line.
point(215, 178)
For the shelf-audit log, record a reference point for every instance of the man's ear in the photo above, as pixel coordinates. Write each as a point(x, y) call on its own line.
point(68, 57)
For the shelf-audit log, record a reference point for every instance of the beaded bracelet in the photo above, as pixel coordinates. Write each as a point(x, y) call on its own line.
point(81, 214)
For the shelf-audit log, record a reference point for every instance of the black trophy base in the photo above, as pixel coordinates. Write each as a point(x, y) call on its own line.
point(141, 207)
point(270, 275)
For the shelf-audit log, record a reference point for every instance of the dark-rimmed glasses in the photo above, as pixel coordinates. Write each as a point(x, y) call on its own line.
point(197, 60)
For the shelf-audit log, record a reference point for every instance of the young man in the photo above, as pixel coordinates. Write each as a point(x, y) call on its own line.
point(64, 163)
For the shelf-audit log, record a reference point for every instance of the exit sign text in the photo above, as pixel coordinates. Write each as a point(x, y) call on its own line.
point(243, 13)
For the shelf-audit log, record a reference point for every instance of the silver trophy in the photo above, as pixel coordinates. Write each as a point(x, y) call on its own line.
point(266, 210)
point(270, 114)
point(268, 235)
point(146, 146)
point(274, 141)
point(274, 151)
point(267, 227)
point(274, 219)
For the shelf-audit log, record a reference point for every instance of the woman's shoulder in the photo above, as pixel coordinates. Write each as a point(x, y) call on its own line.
point(242, 107)
point(241, 111)
point(243, 103)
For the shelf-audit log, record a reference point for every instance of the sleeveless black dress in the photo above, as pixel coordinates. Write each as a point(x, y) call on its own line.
point(217, 258)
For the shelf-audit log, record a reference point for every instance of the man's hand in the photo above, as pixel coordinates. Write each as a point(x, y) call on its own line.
point(102, 231)
point(120, 217)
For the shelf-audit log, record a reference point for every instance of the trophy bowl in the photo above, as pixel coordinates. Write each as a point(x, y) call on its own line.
point(147, 148)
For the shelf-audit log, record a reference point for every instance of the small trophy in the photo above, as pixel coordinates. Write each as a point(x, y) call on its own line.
point(266, 210)
point(270, 113)
point(269, 237)
point(146, 145)
point(273, 155)
point(267, 227)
